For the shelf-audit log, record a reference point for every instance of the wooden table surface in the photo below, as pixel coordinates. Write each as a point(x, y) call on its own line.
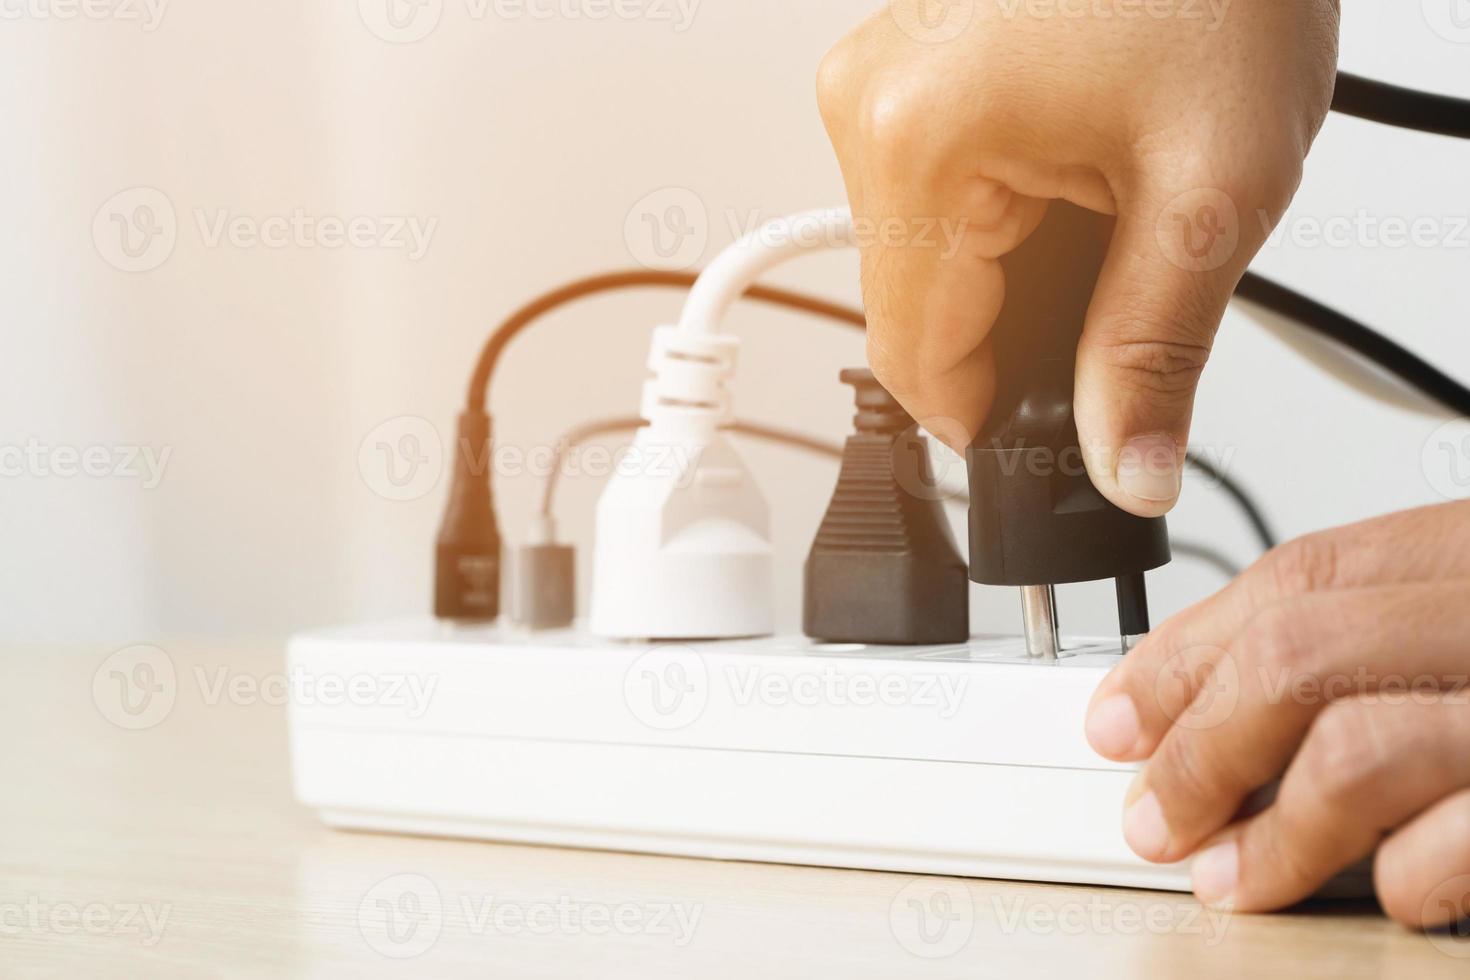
point(176, 850)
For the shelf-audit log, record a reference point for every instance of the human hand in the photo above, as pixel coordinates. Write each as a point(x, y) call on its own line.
point(1340, 660)
point(1191, 130)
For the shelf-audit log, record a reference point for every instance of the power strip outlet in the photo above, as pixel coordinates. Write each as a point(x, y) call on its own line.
point(961, 760)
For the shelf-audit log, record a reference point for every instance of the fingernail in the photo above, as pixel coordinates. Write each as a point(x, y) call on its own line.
point(1214, 874)
point(1113, 727)
point(1148, 468)
point(1145, 830)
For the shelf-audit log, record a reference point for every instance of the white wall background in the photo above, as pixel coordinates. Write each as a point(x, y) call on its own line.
point(261, 370)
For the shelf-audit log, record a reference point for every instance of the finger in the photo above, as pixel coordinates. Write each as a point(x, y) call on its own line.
point(1176, 257)
point(1143, 697)
point(932, 300)
point(1422, 872)
point(1367, 767)
point(1288, 666)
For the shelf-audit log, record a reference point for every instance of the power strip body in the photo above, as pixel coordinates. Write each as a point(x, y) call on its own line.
point(965, 760)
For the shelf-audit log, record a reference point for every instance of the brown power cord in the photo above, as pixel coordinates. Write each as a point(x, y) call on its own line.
point(510, 328)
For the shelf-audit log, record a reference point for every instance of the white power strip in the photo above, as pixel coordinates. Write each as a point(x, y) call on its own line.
point(966, 760)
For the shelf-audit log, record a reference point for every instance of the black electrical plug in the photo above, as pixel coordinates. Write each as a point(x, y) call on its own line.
point(1036, 520)
point(884, 567)
point(467, 553)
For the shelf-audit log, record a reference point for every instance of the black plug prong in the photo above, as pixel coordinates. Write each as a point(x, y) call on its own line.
point(1132, 609)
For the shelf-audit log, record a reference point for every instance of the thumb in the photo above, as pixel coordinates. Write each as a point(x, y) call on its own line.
point(1169, 273)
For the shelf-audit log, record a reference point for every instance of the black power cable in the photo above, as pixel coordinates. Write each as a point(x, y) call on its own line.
point(1402, 363)
point(1405, 108)
point(1242, 498)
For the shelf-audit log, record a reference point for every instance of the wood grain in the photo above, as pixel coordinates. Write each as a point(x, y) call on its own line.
point(190, 825)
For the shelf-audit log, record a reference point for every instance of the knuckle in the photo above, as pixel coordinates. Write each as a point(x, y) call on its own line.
point(1305, 565)
point(1181, 773)
point(1346, 753)
point(1274, 643)
point(836, 77)
point(893, 370)
point(893, 122)
point(1156, 367)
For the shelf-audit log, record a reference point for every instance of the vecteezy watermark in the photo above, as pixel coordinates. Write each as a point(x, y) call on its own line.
point(671, 227)
point(1198, 688)
point(136, 687)
point(667, 229)
point(35, 916)
point(942, 692)
point(147, 14)
point(403, 916)
point(409, 234)
point(408, 694)
point(409, 21)
point(1363, 229)
point(1364, 686)
point(1450, 900)
point(402, 459)
point(1450, 19)
point(932, 21)
point(40, 461)
point(1208, 13)
point(1107, 915)
point(1199, 231)
point(1446, 460)
point(932, 918)
point(667, 688)
point(137, 230)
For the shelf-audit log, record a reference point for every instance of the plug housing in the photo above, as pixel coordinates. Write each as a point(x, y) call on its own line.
point(683, 546)
point(884, 568)
point(543, 581)
point(467, 552)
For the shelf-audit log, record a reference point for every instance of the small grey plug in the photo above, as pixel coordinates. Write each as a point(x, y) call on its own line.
point(544, 581)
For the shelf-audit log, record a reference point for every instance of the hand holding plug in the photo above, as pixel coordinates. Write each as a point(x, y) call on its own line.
point(1191, 131)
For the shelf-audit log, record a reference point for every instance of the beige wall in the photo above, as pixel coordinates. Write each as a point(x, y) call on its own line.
point(527, 143)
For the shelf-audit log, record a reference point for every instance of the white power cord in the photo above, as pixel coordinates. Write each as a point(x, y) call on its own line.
point(738, 267)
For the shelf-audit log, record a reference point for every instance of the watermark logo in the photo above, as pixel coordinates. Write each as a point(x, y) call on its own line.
point(932, 918)
point(401, 21)
point(1210, 13)
point(668, 229)
point(148, 14)
point(136, 230)
point(932, 21)
point(667, 688)
point(402, 459)
point(1103, 915)
point(1198, 688)
point(1450, 902)
point(34, 916)
point(136, 687)
point(941, 693)
point(401, 916)
point(40, 461)
point(1450, 19)
point(1446, 460)
point(1199, 231)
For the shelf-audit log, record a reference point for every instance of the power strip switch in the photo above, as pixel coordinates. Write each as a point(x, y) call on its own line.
point(884, 568)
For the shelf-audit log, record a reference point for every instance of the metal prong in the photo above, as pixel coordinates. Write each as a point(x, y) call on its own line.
point(1039, 617)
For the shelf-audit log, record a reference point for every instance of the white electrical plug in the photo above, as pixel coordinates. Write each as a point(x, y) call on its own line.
point(683, 547)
